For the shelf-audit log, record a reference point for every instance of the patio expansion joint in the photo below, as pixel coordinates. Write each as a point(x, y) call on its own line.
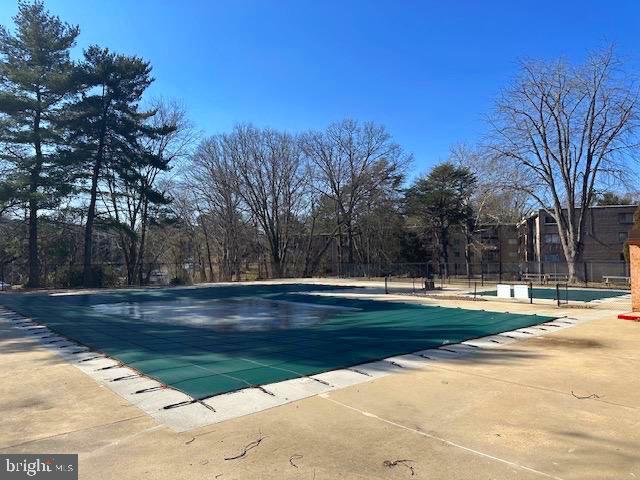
point(527, 385)
point(69, 432)
point(445, 441)
point(182, 412)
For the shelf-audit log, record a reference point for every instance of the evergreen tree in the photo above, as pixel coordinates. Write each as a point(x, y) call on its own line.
point(441, 201)
point(107, 126)
point(132, 196)
point(35, 81)
point(612, 198)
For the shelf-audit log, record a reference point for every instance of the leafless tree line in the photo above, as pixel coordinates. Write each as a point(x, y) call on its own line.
point(293, 195)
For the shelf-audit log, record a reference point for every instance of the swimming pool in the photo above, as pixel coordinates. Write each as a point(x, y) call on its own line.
point(211, 340)
point(572, 294)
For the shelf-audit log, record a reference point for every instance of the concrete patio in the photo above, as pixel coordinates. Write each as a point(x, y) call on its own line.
point(561, 406)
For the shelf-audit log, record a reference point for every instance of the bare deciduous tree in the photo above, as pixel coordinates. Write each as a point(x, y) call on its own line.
point(569, 128)
point(350, 162)
point(268, 165)
point(213, 183)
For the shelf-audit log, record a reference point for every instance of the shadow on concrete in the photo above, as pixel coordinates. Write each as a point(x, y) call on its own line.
point(567, 342)
point(600, 453)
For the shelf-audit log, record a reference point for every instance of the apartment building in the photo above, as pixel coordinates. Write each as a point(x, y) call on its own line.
point(606, 230)
point(533, 245)
point(494, 248)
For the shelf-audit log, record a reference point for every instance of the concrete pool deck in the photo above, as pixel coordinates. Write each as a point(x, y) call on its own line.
point(564, 405)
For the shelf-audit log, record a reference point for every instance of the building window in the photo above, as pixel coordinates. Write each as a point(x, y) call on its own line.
point(552, 257)
point(549, 220)
point(512, 241)
point(623, 236)
point(553, 238)
point(626, 218)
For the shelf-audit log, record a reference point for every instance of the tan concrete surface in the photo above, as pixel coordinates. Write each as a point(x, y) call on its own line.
point(506, 413)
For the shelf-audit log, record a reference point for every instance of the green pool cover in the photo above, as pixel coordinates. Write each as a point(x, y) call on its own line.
point(203, 361)
point(573, 294)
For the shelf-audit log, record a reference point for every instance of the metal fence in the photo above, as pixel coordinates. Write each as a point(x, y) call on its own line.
point(116, 274)
point(107, 274)
point(587, 273)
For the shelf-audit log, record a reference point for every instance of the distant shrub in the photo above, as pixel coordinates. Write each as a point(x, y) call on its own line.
point(177, 281)
point(101, 276)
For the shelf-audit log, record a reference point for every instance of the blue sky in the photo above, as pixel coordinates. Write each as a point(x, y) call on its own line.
point(427, 70)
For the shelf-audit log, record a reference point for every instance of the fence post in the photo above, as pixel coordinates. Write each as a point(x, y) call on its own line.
point(586, 274)
point(558, 293)
point(386, 287)
point(475, 289)
point(531, 292)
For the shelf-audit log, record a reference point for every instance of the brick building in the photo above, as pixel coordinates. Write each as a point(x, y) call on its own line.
point(606, 230)
point(533, 246)
point(494, 248)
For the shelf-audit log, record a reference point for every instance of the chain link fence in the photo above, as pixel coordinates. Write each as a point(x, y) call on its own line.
point(606, 274)
point(111, 274)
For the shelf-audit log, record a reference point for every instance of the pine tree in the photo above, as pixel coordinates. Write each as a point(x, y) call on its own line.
point(442, 201)
point(107, 125)
point(35, 82)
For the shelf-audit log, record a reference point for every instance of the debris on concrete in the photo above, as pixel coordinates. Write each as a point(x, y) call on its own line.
point(404, 463)
point(293, 458)
point(579, 397)
point(247, 448)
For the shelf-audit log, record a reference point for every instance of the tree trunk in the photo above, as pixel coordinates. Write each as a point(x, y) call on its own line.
point(34, 263)
point(570, 241)
point(571, 270)
point(208, 247)
point(350, 244)
point(87, 273)
point(307, 253)
point(143, 235)
point(445, 250)
point(132, 263)
point(573, 256)
point(276, 265)
point(467, 256)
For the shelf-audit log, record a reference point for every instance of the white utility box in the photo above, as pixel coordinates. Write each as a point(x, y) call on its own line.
point(504, 291)
point(521, 291)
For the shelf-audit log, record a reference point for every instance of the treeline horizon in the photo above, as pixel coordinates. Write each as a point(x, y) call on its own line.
point(94, 174)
